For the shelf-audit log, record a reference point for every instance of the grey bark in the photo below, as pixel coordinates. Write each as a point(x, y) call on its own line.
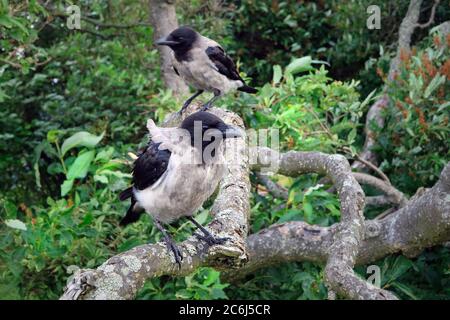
point(339, 274)
point(422, 223)
point(274, 188)
point(392, 194)
point(164, 20)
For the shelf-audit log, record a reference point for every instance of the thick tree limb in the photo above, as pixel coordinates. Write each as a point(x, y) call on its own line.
point(343, 249)
point(423, 222)
point(123, 275)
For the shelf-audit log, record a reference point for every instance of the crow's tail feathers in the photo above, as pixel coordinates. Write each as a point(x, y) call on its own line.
point(125, 194)
point(133, 213)
point(248, 89)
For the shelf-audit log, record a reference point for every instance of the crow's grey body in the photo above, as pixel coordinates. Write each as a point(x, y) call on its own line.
point(177, 172)
point(203, 64)
point(184, 186)
point(196, 68)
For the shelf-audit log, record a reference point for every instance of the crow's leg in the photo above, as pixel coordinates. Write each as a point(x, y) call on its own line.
point(208, 237)
point(170, 243)
point(208, 105)
point(188, 101)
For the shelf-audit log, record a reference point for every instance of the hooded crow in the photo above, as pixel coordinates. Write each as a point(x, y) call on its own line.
point(177, 172)
point(203, 64)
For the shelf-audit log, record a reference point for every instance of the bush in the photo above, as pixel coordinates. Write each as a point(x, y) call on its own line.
point(414, 142)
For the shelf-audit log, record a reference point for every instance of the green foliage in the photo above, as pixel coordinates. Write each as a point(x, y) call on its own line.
point(73, 104)
point(414, 142)
point(204, 283)
point(312, 111)
point(330, 30)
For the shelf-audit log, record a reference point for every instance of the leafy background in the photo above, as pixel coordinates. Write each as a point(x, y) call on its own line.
point(74, 105)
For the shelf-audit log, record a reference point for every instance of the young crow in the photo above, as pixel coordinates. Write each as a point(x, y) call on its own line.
point(178, 170)
point(203, 64)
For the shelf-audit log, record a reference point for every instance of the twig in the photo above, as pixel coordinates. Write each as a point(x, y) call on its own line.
point(274, 188)
point(432, 15)
point(394, 195)
point(374, 168)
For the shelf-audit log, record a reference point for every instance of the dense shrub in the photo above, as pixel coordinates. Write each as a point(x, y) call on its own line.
point(414, 143)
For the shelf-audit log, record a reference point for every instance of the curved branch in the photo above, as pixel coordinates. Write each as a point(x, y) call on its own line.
point(423, 222)
point(343, 249)
point(393, 195)
point(432, 14)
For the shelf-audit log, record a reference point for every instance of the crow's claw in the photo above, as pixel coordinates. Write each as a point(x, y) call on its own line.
point(171, 246)
point(210, 240)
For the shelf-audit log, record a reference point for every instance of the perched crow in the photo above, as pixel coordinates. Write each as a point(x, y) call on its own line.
point(203, 64)
point(178, 171)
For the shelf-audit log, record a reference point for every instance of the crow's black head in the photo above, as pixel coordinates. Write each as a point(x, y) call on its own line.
point(180, 40)
point(205, 128)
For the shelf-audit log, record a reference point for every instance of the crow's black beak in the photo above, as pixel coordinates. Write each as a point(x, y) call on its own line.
point(166, 42)
point(232, 132)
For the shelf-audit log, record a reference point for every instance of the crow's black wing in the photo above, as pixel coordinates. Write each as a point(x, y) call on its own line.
point(150, 166)
point(223, 63)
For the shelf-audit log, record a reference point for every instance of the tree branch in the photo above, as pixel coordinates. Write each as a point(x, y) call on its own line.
point(432, 14)
point(274, 188)
point(164, 20)
point(394, 195)
point(343, 249)
point(422, 223)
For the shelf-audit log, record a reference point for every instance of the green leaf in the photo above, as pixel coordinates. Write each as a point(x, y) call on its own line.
point(399, 268)
point(3, 96)
point(16, 224)
point(299, 65)
point(367, 99)
point(81, 138)
point(351, 136)
point(80, 166)
point(277, 74)
point(405, 289)
point(5, 21)
point(434, 84)
point(202, 217)
point(100, 178)
point(66, 187)
point(105, 154)
point(308, 210)
point(52, 136)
